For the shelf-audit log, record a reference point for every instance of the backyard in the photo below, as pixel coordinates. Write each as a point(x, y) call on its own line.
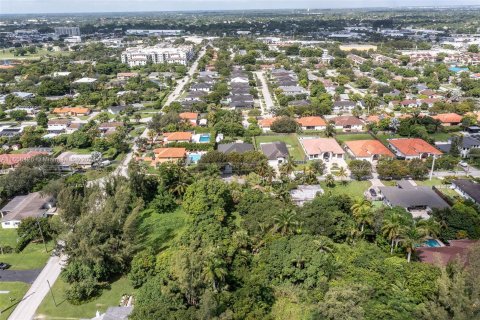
point(341, 138)
point(64, 310)
point(291, 141)
point(354, 189)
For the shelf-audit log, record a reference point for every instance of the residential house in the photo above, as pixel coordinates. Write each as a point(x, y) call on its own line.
point(312, 123)
point(412, 148)
point(321, 148)
point(107, 128)
point(58, 125)
point(467, 189)
point(33, 205)
point(348, 123)
point(72, 111)
point(369, 150)
point(126, 75)
point(466, 144)
point(195, 95)
point(293, 90)
point(236, 147)
point(177, 137)
point(448, 119)
point(265, 124)
point(205, 87)
point(168, 155)
point(70, 160)
point(343, 106)
point(13, 160)
point(276, 152)
point(305, 193)
point(418, 200)
point(457, 250)
point(191, 117)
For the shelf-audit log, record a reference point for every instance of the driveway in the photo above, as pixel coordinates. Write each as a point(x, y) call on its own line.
point(27, 276)
point(25, 310)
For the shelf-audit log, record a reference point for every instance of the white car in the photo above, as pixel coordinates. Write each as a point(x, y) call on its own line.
point(463, 164)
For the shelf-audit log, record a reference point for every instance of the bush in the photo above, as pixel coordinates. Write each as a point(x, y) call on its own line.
point(79, 292)
point(284, 125)
point(143, 267)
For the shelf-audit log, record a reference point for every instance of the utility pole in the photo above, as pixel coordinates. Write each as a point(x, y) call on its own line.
point(433, 166)
point(43, 238)
point(51, 292)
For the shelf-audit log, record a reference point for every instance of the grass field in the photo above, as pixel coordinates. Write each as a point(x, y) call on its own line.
point(32, 257)
point(341, 138)
point(159, 230)
point(9, 300)
point(65, 310)
point(290, 140)
point(6, 54)
point(354, 189)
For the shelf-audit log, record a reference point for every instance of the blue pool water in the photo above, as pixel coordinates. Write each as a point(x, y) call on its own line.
point(431, 243)
point(194, 157)
point(204, 138)
point(457, 69)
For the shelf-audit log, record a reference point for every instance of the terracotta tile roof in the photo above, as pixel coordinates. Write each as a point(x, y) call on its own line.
point(167, 153)
point(413, 146)
point(178, 136)
point(189, 115)
point(448, 118)
point(368, 148)
point(127, 74)
point(347, 121)
point(77, 110)
point(311, 122)
point(375, 118)
point(321, 145)
point(15, 159)
point(266, 123)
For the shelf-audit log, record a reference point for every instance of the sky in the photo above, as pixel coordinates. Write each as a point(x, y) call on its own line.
point(70, 6)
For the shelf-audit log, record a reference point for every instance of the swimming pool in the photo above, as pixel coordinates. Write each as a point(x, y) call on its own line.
point(204, 138)
point(194, 157)
point(457, 69)
point(432, 243)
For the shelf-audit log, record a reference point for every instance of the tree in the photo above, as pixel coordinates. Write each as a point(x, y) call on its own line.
point(393, 227)
point(318, 167)
point(342, 174)
point(287, 167)
point(284, 125)
point(330, 181)
point(42, 119)
point(360, 169)
point(286, 222)
point(142, 267)
point(362, 212)
point(330, 130)
point(18, 115)
point(473, 48)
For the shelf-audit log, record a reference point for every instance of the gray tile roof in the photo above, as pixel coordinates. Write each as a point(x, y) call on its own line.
point(274, 150)
point(235, 147)
point(470, 188)
point(412, 197)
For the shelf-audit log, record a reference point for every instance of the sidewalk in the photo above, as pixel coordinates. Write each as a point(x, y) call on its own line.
point(26, 309)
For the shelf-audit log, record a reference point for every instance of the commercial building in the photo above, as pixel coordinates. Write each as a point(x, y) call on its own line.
point(67, 31)
point(158, 54)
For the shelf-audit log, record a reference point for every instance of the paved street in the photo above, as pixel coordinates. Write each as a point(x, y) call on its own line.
point(26, 309)
point(27, 276)
point(265, 92)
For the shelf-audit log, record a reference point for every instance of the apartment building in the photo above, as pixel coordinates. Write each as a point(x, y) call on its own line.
point(158, 54)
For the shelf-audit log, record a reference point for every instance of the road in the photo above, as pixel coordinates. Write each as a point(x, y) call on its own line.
point(181, 84)
point(265, 91)
point(26, 309)
point(122, 168)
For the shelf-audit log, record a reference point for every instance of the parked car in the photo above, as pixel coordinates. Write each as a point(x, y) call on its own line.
point(4, 266)
point(463, 164)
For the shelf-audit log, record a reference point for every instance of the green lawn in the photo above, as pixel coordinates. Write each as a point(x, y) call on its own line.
point(6, 54)
point(8, 237)
point(159, 230)
point(341, 138)
point(290, 140)
point(438, 136)
point(429, 183)
point(65, 310)
point(8, 301)
point(354, 189)
point(32, 257)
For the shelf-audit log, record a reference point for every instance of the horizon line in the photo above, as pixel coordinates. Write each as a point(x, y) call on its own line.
point(243, 10)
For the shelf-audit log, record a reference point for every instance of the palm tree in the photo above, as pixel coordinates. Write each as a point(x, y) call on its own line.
point(214, 270)
point(286, 222)
point(330, 130)
point(392, 229)
point(309, 176)
point(411, 240)
point(362, 212)
point(330, 181)
point(323, 244)
point(287, 167)
point(429, 227)
point(342, 174)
